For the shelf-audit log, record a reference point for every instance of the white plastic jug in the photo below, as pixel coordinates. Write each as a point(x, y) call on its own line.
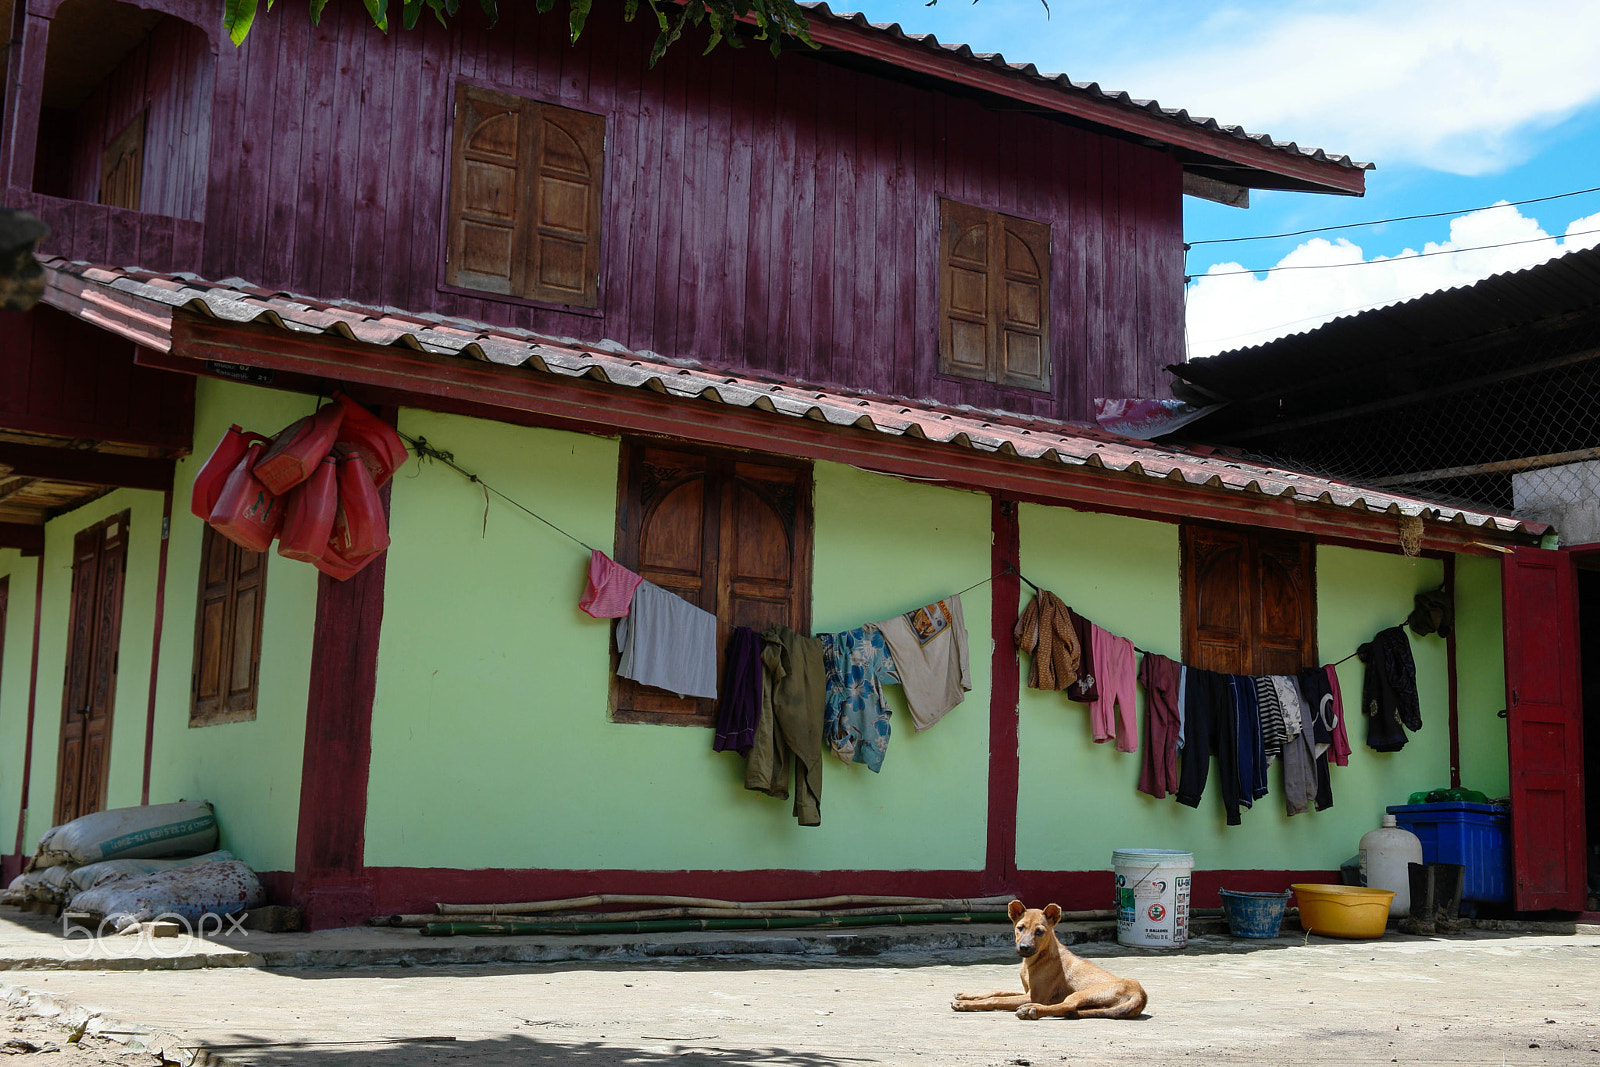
point(1385, 852)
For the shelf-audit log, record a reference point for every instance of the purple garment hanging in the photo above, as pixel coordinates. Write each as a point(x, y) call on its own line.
point(740, 706)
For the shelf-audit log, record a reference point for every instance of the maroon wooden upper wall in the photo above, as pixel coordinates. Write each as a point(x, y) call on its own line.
point(778, 215)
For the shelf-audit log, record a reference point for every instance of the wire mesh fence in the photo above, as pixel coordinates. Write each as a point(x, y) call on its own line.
point(1514, 430)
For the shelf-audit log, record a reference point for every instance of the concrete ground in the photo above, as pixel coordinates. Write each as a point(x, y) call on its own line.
point(1481, 998)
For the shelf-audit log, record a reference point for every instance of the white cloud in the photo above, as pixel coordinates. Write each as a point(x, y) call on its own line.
point(1228, 310)
point(1462, 86)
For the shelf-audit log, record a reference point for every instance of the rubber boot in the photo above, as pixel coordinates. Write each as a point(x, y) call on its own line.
point(1448, 879)
point(1422, 888)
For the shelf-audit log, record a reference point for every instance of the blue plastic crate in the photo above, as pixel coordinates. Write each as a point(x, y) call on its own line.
point(1477, 836)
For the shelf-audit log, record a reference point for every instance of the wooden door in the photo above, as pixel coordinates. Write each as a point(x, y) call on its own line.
point(1544, 723)
point(99, 563)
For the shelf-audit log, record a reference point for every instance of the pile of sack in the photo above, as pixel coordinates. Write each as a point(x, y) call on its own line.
point(313, 487)
point(131, 865)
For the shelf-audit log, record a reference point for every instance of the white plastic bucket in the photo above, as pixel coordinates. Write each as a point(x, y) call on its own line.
point(1152, 896)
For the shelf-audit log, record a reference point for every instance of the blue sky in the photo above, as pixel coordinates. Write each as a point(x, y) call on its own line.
point(1460, 103)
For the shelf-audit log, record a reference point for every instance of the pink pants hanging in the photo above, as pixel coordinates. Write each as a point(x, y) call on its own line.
point(1114, 714)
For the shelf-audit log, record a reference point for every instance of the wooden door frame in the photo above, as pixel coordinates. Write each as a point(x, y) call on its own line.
point(113, 641)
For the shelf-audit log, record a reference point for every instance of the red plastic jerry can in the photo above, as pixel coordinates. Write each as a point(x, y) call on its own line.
point(360, 528)
point(381, 448)
point(297, 450)
point(308, 514)
point(214, 474)
point(247, 512)
point(336, 566)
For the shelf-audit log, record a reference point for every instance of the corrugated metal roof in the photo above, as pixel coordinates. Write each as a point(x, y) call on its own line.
point(1091, 90)
point(1066, 445)
point(1560, 287)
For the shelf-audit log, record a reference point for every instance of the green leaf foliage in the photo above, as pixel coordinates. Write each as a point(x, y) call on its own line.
point(772, 21)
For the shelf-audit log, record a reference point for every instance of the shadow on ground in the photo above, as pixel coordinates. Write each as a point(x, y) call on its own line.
point(513, 1049)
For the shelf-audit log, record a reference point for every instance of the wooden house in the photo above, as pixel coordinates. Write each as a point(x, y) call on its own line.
point(808, 340)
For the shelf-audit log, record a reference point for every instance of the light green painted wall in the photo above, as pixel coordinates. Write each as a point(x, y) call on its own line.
point(250, 771)
point(491, 745)
point(1481, 674)
point(16, 657)
point(1124, 574)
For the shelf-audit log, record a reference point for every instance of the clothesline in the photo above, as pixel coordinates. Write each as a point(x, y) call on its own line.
point(424, 450)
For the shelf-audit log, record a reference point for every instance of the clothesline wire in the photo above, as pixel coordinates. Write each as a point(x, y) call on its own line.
point(424, 450)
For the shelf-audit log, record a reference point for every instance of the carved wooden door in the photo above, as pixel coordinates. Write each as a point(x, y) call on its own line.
point(99, 562)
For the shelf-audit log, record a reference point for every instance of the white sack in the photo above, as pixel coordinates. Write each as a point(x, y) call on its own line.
point(187, 828)
point(22, 888)
point(222, 888)
point(107, 871)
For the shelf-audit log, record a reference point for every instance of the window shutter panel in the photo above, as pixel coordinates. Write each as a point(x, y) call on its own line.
point(211, 626)
point(244, 643)
point(489, 201)
point(122, 167)
point(767, 562)
point(1216, 608)
point(671, 529)
point(564, 255)
point(966, 293)
point(1022, 302)
point(1286, 605)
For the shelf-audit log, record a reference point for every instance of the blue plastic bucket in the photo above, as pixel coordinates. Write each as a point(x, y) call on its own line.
point(1253, 914)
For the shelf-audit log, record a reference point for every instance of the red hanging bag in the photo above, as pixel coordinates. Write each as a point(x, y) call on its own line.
point(214, 474)
point(336, 566)
point(308, 514)
point(247, 512)
point(359, 528)
point(381, 448)
point(297, 450)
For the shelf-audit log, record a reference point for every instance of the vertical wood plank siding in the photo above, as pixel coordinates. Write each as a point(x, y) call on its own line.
point(776, 216)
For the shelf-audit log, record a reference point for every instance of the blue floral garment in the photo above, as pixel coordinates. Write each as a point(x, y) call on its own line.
point(856, 665)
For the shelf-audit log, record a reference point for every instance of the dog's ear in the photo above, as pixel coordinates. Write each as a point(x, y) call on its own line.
point(1015, 910)
point(1052, 913)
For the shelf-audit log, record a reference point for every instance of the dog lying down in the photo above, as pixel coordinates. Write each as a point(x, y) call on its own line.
point(1056, 983)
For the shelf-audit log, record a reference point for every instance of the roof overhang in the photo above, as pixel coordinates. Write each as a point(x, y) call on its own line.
point(485, 371)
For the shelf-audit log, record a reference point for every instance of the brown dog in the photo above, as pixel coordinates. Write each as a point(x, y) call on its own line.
point(1054, 981)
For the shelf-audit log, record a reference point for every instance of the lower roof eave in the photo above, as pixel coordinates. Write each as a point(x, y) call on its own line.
point(402, 376)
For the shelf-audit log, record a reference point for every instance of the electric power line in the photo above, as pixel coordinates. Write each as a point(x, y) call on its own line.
point(1395, 259)
point(1398, 218)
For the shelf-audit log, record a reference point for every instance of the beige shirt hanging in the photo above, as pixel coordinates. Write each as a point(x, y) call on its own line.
point(929, 646)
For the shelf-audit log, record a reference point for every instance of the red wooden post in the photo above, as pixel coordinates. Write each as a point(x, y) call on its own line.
point(155, 644)
point(1000, 863)
point(331, 884)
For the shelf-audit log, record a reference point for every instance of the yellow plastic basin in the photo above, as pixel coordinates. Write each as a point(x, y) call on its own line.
point(1342, 910)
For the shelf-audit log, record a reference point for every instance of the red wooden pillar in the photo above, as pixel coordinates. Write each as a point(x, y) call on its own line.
point(1000, 863)
point(331, 886)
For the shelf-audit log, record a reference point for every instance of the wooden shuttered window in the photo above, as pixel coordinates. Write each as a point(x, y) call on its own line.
point(722, 531)
point(1249, 601)
point(227, 640)
point(525, 198)
point(994, 297)
point(122, 167)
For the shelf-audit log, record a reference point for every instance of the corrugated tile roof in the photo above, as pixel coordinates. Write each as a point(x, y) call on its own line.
point(1091, 90)
point(1064, 444)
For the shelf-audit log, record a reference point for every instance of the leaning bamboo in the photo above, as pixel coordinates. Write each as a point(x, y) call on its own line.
point(535, 907)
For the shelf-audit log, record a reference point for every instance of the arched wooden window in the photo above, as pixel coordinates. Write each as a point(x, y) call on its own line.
point(994, 297)
point(723, 531)
point(525, 198)
point(1249, 601)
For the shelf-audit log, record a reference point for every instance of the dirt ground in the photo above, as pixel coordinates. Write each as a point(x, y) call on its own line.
point(32, 1039)
point(1480, 999)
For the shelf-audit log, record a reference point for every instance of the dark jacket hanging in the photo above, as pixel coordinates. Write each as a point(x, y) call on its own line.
point(1389, 690)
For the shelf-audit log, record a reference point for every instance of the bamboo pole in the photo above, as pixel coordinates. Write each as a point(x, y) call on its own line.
point(535, 907)
point(452, 929)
